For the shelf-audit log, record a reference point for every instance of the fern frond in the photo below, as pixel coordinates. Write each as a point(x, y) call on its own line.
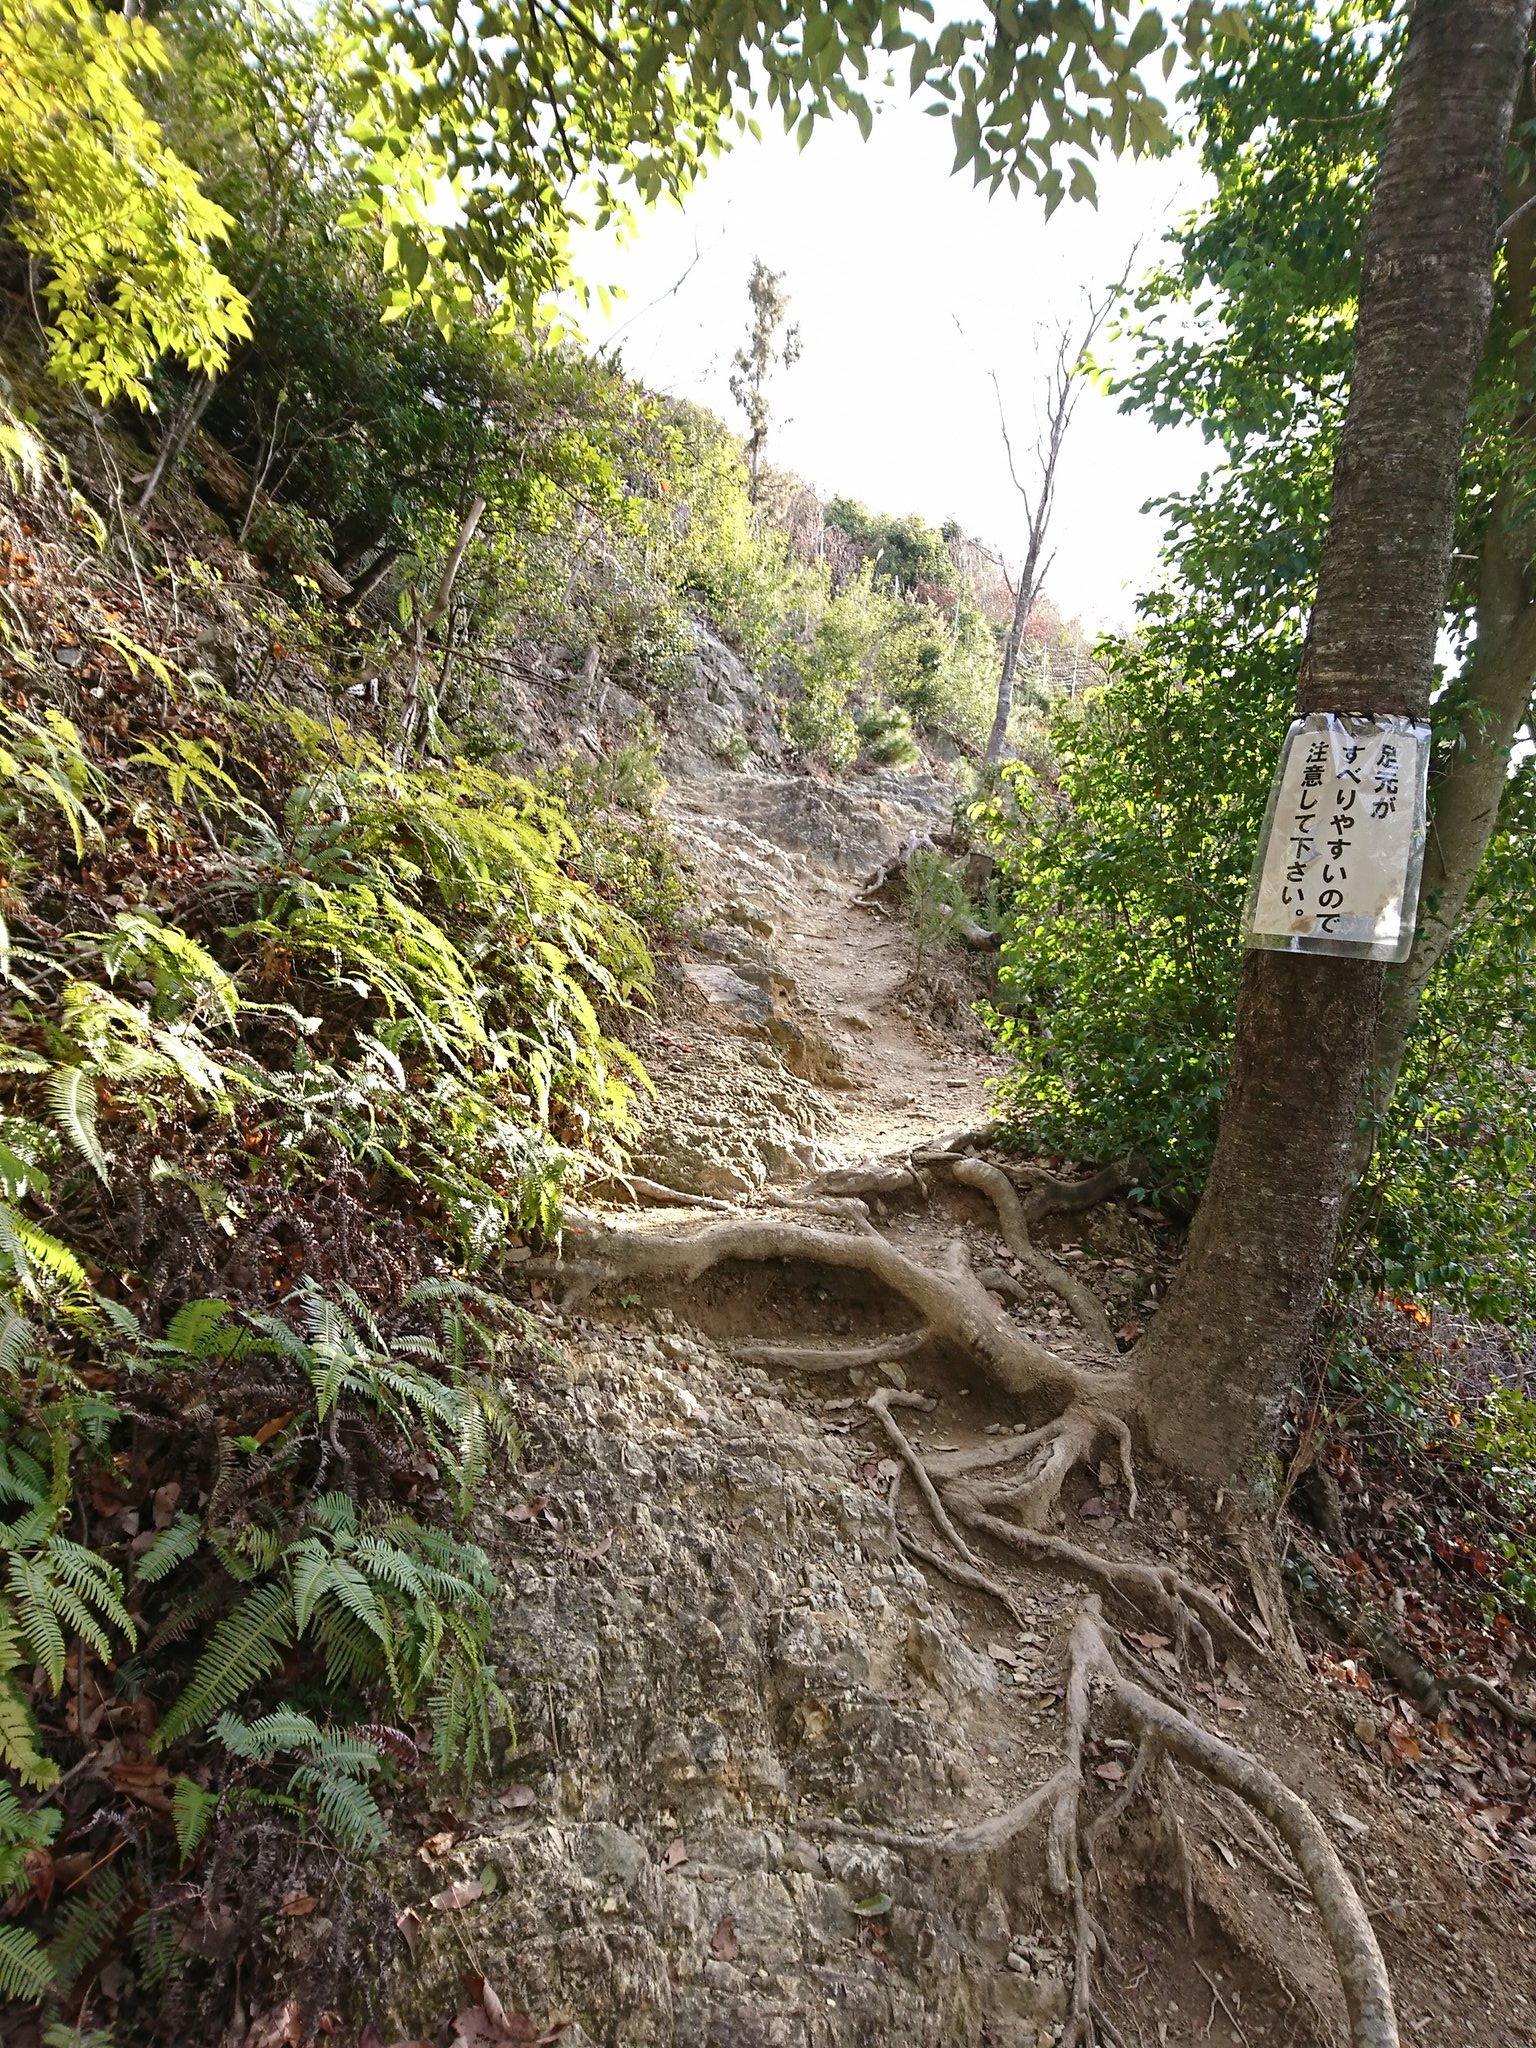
point(194, 1327)
point(171, 1547)
point(22, 1478)
point(347, 1807)
point(192, 1807)
point(25, 1970)
point(72, 1093)
point(20, 1743)
point(260, 1740)
point(36, 1618)
point(353, 1656)
point(36, 1258)
point(348, 1585)
point(336, 1512)
point(93, 1578)
point(245, 1647)
point(87, 1925)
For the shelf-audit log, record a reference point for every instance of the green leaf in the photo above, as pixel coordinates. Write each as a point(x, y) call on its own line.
point(192, 1807)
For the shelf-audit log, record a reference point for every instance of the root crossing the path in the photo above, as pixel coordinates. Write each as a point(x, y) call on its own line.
point(1005, 1497)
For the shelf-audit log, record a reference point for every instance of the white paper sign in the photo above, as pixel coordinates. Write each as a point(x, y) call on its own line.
point(1343, 841)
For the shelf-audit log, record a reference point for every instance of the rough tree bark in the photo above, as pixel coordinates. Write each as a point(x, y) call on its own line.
point(1219, 1356)
point(1465, 805)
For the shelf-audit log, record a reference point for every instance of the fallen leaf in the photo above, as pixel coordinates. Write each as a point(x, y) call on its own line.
point(723, 1945)
point(1225, 1854)
point(283, 2027)
point(1149, 1639)
point(871, 1908)
point(409, 1924)
point(139, 1779)
point(268, 1430)
point(1092, 1509)
point(1111, 1773)
point(437, 1845)
point(1403, 1743)
point(38, 1865)
point(473, 2028)
point(294, 1906)
point(461, 1893)
point(674, 1854)
point(527, 1509)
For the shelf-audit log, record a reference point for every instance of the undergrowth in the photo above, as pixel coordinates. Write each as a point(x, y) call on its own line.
point(304, 1031)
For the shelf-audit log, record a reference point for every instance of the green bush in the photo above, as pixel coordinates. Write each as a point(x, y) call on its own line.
point(1124, 884)
point(885, 736)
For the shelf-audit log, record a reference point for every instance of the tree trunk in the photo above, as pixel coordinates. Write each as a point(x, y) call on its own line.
point(1465, 806)
point(1216, 1362)
point(194, 404)
point(1467, 803)
point(1022, 602)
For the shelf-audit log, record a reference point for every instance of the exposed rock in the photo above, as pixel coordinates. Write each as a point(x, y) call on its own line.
point(679, 1703)
point(721, 711)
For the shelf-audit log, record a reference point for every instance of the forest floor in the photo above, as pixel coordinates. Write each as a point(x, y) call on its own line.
point(721, 1640)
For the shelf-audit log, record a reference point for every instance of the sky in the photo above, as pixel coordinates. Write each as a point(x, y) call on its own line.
point(909, 287)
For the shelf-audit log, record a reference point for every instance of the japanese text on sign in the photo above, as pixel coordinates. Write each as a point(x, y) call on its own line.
point(1338, 866)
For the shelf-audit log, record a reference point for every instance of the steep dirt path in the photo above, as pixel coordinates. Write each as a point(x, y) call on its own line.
point(725, 1649)
point(793, 1044)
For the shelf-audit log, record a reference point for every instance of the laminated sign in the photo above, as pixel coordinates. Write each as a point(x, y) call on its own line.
point(1343, 841)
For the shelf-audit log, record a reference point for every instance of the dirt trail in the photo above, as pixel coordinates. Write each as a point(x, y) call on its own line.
point(728, 1648)
point(788, 1044)
point(790, 1047)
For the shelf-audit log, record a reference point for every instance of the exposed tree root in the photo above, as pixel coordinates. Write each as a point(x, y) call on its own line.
point(1083, 1302)
point(1468, 1681)
point(831, 1358)
point(955, 1306)
point(1097, 1680)
point(640, 1190)
point(1006, 1493)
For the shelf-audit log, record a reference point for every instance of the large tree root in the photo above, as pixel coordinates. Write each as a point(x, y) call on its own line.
point(1006, 1493)
point(1099, 1686)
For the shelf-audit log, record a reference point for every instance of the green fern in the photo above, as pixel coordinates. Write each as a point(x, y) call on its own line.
point(20, 1743)
point(58, 1589)
point(40, 1267)
point(245, 1647)
point(87, 1926)
point(25, 1968)
point(330, 1771)
point(22, 1833)
point(201, 1329)
point(72, 1093)
point(192, 1807)
point(44, 764)
point(171, 1547)
point(185, 976)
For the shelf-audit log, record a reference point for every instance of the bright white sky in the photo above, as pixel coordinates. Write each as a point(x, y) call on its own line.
point(909, 286)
